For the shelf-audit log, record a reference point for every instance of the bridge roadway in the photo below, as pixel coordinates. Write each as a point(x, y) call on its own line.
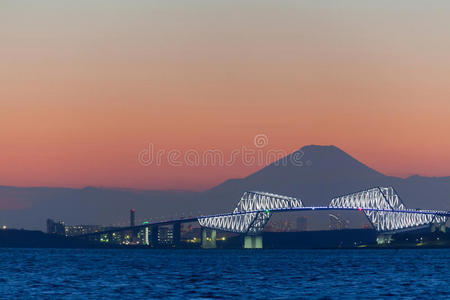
point(278, 210)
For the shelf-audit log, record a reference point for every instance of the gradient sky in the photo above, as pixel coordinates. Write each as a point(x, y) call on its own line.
point(86, 85)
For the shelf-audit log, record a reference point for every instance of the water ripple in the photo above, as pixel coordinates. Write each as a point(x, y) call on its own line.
point(216, 274)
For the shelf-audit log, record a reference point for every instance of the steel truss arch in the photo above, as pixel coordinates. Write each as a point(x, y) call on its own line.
point(252, 213)
point(386, 198)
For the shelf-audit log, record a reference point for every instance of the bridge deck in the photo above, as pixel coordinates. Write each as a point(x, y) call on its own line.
point(311, 208)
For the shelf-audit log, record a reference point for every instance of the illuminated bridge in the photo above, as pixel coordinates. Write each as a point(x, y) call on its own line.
point(381, 205)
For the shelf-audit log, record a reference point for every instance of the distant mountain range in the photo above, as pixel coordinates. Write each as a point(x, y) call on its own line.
point(324, 172)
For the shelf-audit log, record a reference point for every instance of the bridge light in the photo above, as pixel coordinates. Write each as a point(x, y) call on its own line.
point(360, 209)
point(267, 211)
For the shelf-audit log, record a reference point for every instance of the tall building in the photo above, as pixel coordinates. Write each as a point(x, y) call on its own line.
point(132, 217)
point(165, 234)
point(302, 223)
point(56, 227)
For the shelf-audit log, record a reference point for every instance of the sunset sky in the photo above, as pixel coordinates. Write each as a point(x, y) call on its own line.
point(85, 86)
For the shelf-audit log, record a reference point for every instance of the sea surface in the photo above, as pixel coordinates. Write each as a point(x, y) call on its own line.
point(217, 274)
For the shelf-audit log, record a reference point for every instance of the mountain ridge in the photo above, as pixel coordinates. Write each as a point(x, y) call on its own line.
point(323, 172)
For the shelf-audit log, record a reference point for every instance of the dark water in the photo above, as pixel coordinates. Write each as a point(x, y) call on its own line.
point(290, 274)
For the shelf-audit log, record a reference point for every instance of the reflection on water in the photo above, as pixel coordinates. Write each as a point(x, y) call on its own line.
point(67, 273)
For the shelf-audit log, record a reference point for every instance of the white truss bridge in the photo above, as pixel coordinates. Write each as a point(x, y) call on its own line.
point(251, 213)
point(381, 205)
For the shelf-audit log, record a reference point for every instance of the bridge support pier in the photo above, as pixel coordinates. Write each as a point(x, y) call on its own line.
point(145, 239)
point(208, 242)
point(384, 239)
point(253, 242)
point(154, 236)
point(438, 227)
point(433, 227)
point(176, 234)
point(134, 236)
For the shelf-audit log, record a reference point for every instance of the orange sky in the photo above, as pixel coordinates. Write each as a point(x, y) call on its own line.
point(85, 88)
